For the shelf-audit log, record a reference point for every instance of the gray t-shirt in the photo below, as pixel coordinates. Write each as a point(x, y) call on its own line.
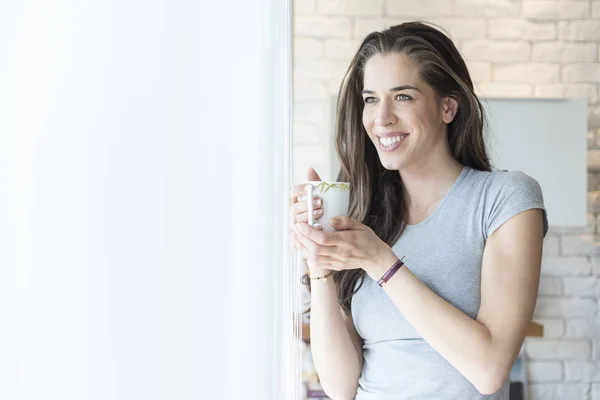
point(445, 252)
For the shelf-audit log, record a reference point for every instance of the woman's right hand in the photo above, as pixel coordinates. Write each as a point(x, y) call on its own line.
point(299, 209)
point(298, 203)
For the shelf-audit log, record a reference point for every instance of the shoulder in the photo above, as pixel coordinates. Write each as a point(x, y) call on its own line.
point(503, 180)
point(507, 193)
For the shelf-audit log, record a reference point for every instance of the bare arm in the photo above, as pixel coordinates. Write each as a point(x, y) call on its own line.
point(482, 350)
point(335, 346)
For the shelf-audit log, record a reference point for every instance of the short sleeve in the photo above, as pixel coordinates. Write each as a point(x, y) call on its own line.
point(510, 193)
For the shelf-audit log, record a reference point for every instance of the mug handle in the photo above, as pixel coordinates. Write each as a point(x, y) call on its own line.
point(309, 198)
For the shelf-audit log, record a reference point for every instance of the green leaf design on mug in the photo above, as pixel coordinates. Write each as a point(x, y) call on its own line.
point(324, 187)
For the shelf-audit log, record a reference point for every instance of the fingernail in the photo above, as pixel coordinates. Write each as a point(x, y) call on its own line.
point(318, 212)
point(317, 202)
point(302, 198)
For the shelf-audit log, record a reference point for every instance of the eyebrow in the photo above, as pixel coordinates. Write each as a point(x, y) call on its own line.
point(394, 89)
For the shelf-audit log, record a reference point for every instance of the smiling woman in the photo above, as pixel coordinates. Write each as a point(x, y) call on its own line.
point(437, 266)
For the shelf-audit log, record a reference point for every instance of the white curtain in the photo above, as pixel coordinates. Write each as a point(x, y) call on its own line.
point(144, 167)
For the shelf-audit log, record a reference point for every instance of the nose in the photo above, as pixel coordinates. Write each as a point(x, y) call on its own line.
point(384, 115)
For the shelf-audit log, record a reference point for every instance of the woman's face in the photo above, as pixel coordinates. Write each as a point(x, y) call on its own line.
point(402, 115)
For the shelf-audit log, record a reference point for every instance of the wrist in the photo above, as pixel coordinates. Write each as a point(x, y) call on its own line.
point(316, 271)
point(379, 268)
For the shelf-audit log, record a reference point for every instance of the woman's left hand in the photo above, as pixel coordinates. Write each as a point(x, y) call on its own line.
point(353, 246)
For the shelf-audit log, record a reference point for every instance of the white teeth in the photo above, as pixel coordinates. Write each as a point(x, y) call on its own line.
point(388, 141)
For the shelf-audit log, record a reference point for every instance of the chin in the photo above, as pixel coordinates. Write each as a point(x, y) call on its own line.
point(391, 165)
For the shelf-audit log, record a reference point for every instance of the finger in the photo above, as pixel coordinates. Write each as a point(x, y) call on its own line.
point(302, 206)
point(304, 216)
point(315, 248)
point(296, 243)
point(316, 235)
point(312, 175)
point(298, 191)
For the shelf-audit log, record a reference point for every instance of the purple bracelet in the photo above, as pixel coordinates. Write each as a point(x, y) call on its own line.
point(390, 272)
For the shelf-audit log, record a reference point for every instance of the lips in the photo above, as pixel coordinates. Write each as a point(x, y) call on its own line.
point(390, 141)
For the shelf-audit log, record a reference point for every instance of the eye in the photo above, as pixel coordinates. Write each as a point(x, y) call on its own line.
point(402, 97)
point(368, 100)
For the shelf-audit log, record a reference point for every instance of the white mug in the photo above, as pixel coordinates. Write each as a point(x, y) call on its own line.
point(335, 197)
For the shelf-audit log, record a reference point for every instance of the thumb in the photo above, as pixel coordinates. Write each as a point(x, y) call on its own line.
point(344, 223)
point(312, 175)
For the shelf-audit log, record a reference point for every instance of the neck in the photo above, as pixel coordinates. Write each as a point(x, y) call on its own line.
point(429, 181)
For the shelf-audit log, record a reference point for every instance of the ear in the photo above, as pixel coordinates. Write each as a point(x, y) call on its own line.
point(449, 109)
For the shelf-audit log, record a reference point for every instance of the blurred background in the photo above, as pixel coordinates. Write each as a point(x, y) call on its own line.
point(520, 51)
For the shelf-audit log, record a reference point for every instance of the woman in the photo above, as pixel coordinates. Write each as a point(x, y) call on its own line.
point(447, 321)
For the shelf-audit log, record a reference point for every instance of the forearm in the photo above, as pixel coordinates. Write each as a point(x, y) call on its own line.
point(462, 341)
point(337, 362)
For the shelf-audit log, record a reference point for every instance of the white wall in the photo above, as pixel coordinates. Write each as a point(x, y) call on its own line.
point(141, 221)
point(514, 48)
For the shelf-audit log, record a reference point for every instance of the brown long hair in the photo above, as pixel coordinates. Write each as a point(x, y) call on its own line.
point(376, 195)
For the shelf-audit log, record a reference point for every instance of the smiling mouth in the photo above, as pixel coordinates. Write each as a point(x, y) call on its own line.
point(392, 142)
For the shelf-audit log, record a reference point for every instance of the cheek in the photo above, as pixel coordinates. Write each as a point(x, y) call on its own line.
point(367, 120)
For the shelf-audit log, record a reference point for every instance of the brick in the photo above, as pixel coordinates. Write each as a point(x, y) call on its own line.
point(337, 70)
point(576, 245)
point(586, 30)
point(308, 48)
point(594, 117)
point(567, 90)
point(579, 329)
point(582, 371)
point(461, 28)
point(554, 10)
point(550, 286)
point(419, 9)
point(350, 7)
point(566, 266)
point(580, 286)
point(542, 349)
point(364, 26)
point(545, 371)
point(310, 90)
point(496, 50)
point(563, 52)
point(596, 10)
point(487, 8)
point(304, 7)
point(591, 178)
point(593, 165)
point(315, 112)
point(560, 391)
point(341, 49)
point(311, 69)
point(308, 134)
point(526, 73)
point(581, 72)
point(551, 245)
point(480, 71)
point(521, 29)
point(549, 90)
point(500, 89)
point(595, 265)
point(553, 327)
point(582, 90)
point(320, 70)
point(565, 307)
point(322, 27)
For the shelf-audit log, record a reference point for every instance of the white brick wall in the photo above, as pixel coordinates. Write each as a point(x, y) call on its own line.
point(514, 48)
